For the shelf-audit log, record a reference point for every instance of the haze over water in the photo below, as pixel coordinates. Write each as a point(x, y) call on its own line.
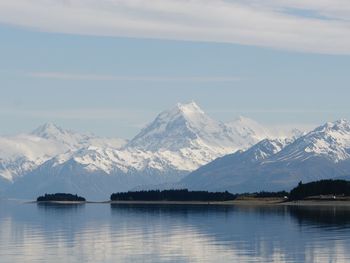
point(160, 233)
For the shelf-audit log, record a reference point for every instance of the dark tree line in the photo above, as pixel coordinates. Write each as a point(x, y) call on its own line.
point(173, 195)
point(60, 197)
point(323, 187)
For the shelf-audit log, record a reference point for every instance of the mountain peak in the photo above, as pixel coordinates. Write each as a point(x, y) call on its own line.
point(339, 127)
point(185, 113)
point(187, 126)
point(189, 108)
point(173, 129)
point(48, 130)
point(331, 140)
point(341, 124)
point(51, 131)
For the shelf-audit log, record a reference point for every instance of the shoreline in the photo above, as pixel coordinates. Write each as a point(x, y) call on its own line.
point(60, 202)
point(239, 202)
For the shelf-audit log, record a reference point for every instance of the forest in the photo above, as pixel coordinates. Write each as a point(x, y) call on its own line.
point(323, 187)
point(173, 195)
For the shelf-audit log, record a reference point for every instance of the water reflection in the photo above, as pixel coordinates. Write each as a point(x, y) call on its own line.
point(60, 208)
point(322, 216)
point(175, 233)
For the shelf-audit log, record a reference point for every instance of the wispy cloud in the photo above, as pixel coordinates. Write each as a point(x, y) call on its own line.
point(249, 22)
point(79, 114)
point(101, 77)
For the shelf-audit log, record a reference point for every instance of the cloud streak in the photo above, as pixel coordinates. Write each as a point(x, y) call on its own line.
point(267, 23)
point(101, 77)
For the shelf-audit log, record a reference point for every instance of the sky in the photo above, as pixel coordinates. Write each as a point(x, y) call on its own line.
point(110, 66)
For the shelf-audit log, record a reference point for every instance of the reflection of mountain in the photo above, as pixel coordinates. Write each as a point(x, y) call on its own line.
point(134, 233)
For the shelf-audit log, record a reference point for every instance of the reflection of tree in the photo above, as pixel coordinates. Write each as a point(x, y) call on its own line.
point(322, 216)
point(173, 195)
point(59, 208)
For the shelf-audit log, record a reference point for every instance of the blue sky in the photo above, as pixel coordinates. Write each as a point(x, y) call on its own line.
point(113, 84)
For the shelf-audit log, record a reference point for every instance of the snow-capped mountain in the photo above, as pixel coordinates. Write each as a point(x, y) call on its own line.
point(253, 131)
point(187, 126)
point(331, 141)
point(95, 173)
point(177, 142)
point(248, 130)
point(74, 140)
point(276, 165)
point(51, 131)
point(23, 153)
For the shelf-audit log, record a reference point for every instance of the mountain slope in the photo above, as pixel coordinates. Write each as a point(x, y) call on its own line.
point(232, 169)
point(322, 153)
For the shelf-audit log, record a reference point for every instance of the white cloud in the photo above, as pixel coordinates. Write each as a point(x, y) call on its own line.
point(100, 77)
point(248, 22)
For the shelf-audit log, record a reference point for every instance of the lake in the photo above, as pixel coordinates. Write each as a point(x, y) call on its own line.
point(172, 233)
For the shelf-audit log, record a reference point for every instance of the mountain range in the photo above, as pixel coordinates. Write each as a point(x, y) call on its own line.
point(279, 164)
point(181, 147)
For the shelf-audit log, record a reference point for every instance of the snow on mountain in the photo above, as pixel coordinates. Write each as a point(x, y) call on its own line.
point(96, 172)
point(248, 129)
point(188, 138)
point(19, 154)
point(187, 126)
point(110, 160)
point(331, 141)
point(277, 165)
point(231, 169)
point(252, 130)
point(23, 153)
point(74, 140)
point(265, 149)
point(52, 132)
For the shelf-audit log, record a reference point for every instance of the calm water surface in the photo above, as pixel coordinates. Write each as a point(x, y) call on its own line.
point(160, 233)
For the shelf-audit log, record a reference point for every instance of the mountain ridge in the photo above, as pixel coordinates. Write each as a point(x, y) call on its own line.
point(320, 154)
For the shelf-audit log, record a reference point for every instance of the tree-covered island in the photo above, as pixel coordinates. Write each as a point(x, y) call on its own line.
point(60, 197)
